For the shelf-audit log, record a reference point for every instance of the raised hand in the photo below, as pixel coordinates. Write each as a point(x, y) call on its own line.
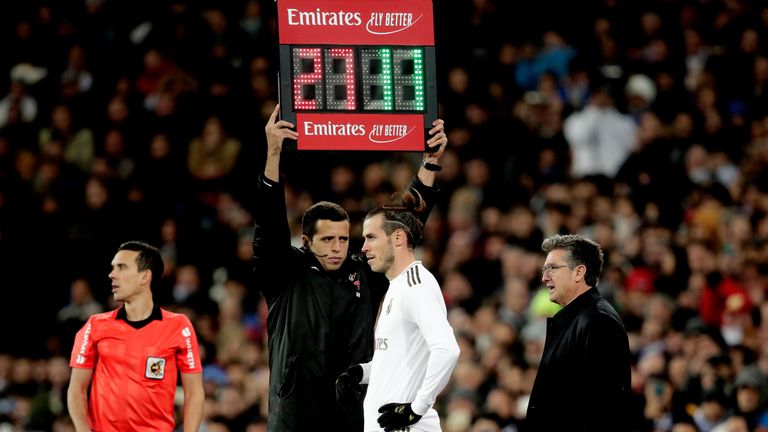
point(277, 131)
point(437, 141)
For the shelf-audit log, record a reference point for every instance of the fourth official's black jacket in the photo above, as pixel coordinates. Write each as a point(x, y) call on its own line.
point(319, 322)
point(583, 381)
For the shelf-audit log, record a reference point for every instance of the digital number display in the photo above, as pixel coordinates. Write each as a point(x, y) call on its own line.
point(326, 79)
point(340, 79)
point(409, 79)
point(357, 74)
point(377, 78)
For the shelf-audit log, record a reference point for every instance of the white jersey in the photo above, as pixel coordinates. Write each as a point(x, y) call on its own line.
point(415, 350)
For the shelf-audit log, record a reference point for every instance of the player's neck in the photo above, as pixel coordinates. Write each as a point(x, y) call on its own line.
point(138, 309)
point(402, 261)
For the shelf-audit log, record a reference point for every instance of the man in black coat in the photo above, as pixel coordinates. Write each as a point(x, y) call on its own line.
point(583, 380)
point(322, 302)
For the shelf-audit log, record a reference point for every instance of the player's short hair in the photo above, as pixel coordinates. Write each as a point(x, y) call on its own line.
point(324, 210)
point(149, 257)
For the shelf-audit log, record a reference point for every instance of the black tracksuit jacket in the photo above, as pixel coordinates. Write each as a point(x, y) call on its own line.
point(319, 323)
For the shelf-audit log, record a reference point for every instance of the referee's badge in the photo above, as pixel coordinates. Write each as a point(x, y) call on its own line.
point(155, 368)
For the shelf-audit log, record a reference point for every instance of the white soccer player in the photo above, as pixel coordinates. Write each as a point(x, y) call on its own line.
point(416, 349)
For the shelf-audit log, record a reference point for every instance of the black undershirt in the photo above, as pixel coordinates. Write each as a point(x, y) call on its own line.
point(155, 315)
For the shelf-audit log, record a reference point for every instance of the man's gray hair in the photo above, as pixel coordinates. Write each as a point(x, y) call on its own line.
point(581, 251)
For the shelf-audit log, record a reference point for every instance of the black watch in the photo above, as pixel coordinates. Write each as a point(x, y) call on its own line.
point(431, 166)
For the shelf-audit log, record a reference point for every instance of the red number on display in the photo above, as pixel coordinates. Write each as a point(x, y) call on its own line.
point(307, 76)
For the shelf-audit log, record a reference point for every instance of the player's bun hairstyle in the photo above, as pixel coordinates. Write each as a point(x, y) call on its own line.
point(402, 212)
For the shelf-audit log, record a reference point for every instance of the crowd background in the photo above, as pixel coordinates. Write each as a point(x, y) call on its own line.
point(641, 124)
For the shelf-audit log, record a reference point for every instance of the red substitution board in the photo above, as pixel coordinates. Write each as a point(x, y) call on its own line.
point(357, 75)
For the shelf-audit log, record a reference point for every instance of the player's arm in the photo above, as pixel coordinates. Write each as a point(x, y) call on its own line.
point(194, 397)
point(77, 398)
point(427, 309)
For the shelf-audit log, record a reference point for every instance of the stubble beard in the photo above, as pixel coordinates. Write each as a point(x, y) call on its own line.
point(389, 259)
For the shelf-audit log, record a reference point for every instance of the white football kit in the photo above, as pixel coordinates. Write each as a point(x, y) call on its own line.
point(415, 350)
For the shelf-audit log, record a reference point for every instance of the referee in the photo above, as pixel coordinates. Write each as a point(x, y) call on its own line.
point(130, 356)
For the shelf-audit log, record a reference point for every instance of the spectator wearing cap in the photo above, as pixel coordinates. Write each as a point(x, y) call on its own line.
point(737, 318)
point(639, 287)
point(640, 92)
point(750, 391)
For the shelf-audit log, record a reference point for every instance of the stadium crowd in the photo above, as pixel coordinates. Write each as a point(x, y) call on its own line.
point(640, 124)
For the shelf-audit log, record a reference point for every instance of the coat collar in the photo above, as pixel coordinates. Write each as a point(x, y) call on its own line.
point(569, 312)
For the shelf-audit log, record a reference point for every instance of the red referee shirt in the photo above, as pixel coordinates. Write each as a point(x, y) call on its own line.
point(135, 369)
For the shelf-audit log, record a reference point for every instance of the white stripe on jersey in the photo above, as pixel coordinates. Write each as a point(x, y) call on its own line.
point(415, 348)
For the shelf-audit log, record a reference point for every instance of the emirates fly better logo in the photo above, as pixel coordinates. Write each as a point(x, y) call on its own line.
point(378, 23)
point(385, 134)
point(377, 133)
point(383, 23)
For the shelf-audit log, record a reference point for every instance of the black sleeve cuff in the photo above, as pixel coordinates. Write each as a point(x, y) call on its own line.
point(265, 182)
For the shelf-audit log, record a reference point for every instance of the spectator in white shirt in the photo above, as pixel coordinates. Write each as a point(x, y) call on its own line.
point(600, 137)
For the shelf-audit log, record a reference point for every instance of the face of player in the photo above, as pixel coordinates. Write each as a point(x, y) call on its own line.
point(127, 280)
point(330, 243)
point(378, 248)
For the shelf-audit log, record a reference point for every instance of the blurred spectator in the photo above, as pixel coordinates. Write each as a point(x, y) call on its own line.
point(188, 290)
point(79, 148)
point(212, 155)
point(712, 411)
point(600, 137)
point(554, 56)
point(17, 106)
point(76, 79)
point(750, 396)
point(81, 306)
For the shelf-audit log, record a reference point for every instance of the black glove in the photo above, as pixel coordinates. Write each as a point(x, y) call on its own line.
point(348, 385)
point(397, 416)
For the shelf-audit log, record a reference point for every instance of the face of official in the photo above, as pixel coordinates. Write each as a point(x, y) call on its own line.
point(127, 280)
point(330, 243)
point(378, 247)
point(564, 283)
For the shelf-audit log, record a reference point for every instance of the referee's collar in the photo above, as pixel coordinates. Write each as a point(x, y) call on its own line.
point(155, 315)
